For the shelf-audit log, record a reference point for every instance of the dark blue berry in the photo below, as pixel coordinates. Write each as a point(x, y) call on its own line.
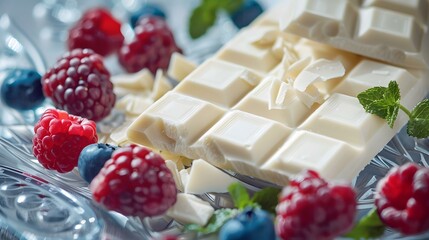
point(21, 88)
point(251, 224)
point(246, 13)
point(92, 159)
point(146, 10)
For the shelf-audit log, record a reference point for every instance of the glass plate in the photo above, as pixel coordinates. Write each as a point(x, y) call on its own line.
point(70, 191)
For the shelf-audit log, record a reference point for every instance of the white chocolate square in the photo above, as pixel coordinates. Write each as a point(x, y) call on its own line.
point(308, 13)
point(257, 102)
point(396, 29)
point(243, 51)
point(343, 117)
point(416, 8)
point(173, 123)
point(368, 74)
point(242, 138)
point(307, 150)
point(219, 82)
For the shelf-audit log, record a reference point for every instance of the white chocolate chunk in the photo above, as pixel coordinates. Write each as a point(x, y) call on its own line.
point(295, 68)
point(133, 105)
point(140, 80)
point(161, 85)
point(190, 209)
point(320, 70)
point(343, 117)
point(219, 82)
point(205, 178)
point(278, 47)
point(310, 96)
point(175, 172)
point(180, 67)
point(173, 123)
point(184, 177)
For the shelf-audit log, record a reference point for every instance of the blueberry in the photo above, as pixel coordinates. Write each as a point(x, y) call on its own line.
point(246, 13)
point(92, 159)
point(22, 89)
point(147, 9)
point(251, 224)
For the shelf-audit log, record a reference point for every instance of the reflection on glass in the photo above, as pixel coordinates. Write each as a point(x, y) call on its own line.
point(56, 17)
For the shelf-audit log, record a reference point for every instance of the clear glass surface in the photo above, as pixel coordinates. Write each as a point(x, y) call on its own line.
point(49, 205)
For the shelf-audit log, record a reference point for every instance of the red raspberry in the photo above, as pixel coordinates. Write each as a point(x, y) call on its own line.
point(311, 208)
point(402, 199)
point(135, 181)
point(59, 138)
point(80, 84)
point(151, 48)
point(97, 30)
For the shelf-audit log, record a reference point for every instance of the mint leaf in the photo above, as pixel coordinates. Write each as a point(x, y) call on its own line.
point(418, 126)
point(381, 101)
point(370, 226)
point(202, 18)
point(230, 5)
point(239, 195)
point(267, 198)
point(219, 217)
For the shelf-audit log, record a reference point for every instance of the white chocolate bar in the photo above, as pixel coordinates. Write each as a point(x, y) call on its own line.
point(270, 106)
point(394, 31)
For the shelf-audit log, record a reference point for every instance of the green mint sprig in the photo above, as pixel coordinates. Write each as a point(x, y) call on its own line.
point(204, 15)
point(369, 227)
point(216, 221)
point(265, 199)
point(385, 103)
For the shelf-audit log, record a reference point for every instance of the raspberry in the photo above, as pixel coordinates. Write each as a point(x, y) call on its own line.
point(151, 48)
point(60, 137)
point(402, 199)
point(135, 181)
point(311, 208)
point(80, 84)
point(97, 30)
